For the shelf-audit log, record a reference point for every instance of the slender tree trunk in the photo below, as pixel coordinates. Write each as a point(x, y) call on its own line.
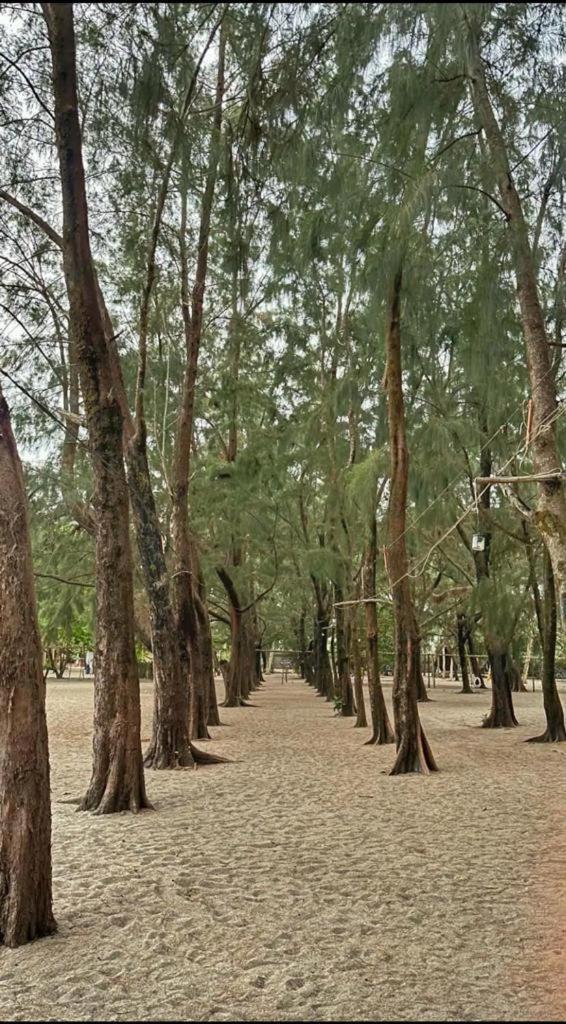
point(241, 669)
point(474, 661)
point(302, 645)
point(555, 731)
point(25, 811)
point(515, 677)
point(169, 746)
point(550, 516)
point(361, 719)
point(117, 780)
point(192, 308)
point(322, 669)
point(381, 727)
point(502, 715)
point(461, 630)
point(343, 662)
point(205, 640)
point(413, 751)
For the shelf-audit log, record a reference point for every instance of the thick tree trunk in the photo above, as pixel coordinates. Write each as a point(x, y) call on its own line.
point(555, 731)
point(413, 751)
point(117, 781)
point(462, 634)
point(381, 727)
point(501, 715)
point(25, 811)
point(550, 516)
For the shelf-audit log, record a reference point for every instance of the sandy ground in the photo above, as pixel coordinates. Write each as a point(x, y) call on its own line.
point(301, 881)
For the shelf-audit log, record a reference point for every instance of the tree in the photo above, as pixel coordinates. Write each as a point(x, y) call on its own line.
point(550, 515)
point(25, 810)
point(117, 781)
point(413, 751)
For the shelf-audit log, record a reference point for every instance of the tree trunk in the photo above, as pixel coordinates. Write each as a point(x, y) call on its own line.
point(415, 659)
point(550, 516)
point(474, 661)
point(192, 310)
point(413, 751)
point(343, 662)
point(501, 715)
point(117, 781)
point(555, 731)
point(25, 811)
point(381, 727)
point(169, 745)
point(361, 719)
point(515, 677)
point(322, 669)
point(462, 633)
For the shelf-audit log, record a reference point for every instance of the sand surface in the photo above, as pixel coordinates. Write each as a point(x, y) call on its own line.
point(301, 881)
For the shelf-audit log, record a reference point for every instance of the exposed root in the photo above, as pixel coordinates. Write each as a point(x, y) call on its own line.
point(163, 758)
point(414, 756)
point(548, 736)
point(380, 738)
point(499, 721)
point(200, 757)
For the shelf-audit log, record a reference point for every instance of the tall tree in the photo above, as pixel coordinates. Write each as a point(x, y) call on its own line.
point(117, 781)
point(413, 750)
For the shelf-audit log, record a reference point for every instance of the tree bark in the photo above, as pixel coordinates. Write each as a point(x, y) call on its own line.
point(117, 781)
point(501, 715)
point(25, 811)
point(413, 751)
point(169, 746)
point(192, 308)
point(343, 662)
point(555, 731)
point(550, 516)
point(381, 727)
point(361, 719)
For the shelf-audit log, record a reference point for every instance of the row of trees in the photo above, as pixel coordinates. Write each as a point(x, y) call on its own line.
point(254, 257)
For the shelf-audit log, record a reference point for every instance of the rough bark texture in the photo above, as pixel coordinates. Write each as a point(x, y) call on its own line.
point(169, 745)
point(413, 751)
point(550, 516)
point(555, 731)
point(501, 715)
point(382, 731)
point(25, 812)
point(117, 780)
point(416, 664)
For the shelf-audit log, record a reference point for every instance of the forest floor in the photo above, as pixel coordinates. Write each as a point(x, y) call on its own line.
point(301, 881)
